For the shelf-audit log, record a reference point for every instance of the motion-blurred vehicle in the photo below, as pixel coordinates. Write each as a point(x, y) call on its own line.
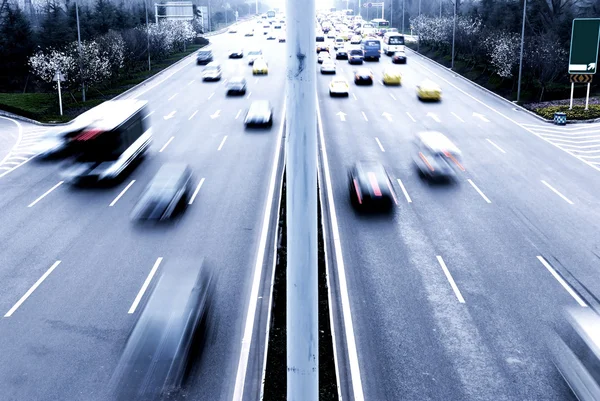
point(54, 142)
point(253, 55)
point(435, 156)
point(282, 37)
point(168, 192)
point(323, 47)
point(236, 53)
point(399, 58)
point(204, 57)
point(429, 90)
point(320, 38)
point(260, 67)
point(363, 76)
point(341, 54)
point(236, 86)
point(328, 67)
point(371, 48)
point(233, 30)
point(212, 72)
point(116, 138)
point(392, 42)
point(392, 76)
point(249, 32)
point(260, 113)
point(168, 333)
point(338, 87)
point(331, 34)
point(370, 187)
point(323, 56)
point(339, 43)
point(575, 350)
point(271, 35)
point(355, 56)
point(277, 26)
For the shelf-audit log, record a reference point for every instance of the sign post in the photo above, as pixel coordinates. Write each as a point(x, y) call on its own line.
point(583, 56)
point(59, 77)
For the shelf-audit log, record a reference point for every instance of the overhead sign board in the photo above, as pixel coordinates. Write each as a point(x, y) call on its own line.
point(585, 41)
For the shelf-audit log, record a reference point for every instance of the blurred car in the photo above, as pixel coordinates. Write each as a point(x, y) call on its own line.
point(370, 187)
point(253, 55)
point(331, 34)
point(341, 54)
point(260, 67)
point(236, 86)
point(435, 156)
point(575, 350)
point(323, 47)
point(249, 32)
point(399, 58)
point(204, 57)
point(233, 30)
point(277, 26)
point(356, 56)
point(392, 76)
point(323, 56)
point(168, 334)
point(328, 67)
point(363, 76)
point(212, 72)
point(339, 43)
point(429, 90)
point(271, 35)
point(320, 38)
point(237, 53)
point(260, 113)
point(338, 87)
point(168, 192)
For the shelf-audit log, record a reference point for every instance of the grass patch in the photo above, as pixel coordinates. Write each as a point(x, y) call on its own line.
point(44, 107)
point(577, 113)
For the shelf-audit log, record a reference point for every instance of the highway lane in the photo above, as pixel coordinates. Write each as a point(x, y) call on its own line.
point(66, 337)
point(415, 338)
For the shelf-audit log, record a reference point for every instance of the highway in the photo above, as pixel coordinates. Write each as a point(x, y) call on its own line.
point(73, 264)
point(452, 295)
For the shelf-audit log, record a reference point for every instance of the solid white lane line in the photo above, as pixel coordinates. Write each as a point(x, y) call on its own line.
point(451, 280)
point(380, 145)
point(166, 144)
point(496, 146)
point(393, 97)
point(238, 114)
point(140, 294)
point(479, 191)
point(404, 191)
point(411, 117)
point(562, 282)
point(240, 378)
point(32, 289)
point(196, 191)
point(173, 97)
point(148, 115)
point(356, 381)
point(354, 96)
point(191, 82)
point(557, 193)
point(46, 193)
point(222, 142)
point(193, 114)
point(211, 95)
point(364, 116)
point(457, 117)
point(121, 194)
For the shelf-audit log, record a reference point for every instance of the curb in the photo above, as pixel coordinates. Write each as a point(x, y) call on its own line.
point(500, 97)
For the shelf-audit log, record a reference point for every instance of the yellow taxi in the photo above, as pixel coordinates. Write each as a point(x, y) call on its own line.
point(392, 76)
point(429, 90)
point(260, 67)
point(322, 47)
point(338, 87)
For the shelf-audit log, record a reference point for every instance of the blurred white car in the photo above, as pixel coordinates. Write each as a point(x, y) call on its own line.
point(338, 87)
point(328, 67)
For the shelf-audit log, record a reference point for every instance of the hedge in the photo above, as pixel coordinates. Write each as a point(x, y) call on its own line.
point(577, 113)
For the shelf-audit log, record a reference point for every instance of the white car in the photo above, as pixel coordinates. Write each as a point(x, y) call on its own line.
point(356, 39)
point(232, 30)
point(323, 56)
point(328, 67)
point(338, 87)
point(212, 72)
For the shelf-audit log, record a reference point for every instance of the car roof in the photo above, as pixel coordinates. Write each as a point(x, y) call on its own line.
point(110, 114)
point(437, 142)
point(213, 64)
point(429, 83)
point(258, 105)
point(237, 80)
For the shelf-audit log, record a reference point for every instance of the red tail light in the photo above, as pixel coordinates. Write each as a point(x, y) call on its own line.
point(374, 184)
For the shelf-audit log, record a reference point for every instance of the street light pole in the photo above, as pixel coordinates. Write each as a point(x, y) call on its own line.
point(419, 29)
point(80, 53)
point(301, 204)
point(403, 1)
point(147, 35)
point(453, 34)
point(522, 46)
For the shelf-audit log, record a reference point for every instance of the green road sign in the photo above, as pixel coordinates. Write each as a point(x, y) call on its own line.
point(585, 40)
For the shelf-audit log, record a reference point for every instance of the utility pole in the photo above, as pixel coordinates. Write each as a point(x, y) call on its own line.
point(521, 56)
point(147, 35)
point(403, 1)
point(301, 204)
point(80, 52)
point(440, 8)
point(392, 13)
point(453, 34)
point(419, 29)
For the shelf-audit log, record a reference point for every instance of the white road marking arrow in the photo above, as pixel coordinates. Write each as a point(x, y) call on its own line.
point(435, 117)
point(342, 115)
point(481, 117)
point(216, 114)
point(170, 115)
point(387, 115)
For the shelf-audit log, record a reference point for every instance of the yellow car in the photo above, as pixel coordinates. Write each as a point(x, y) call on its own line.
point(392, 76)
point(338, 87)
point(429, 90)
point(260, 67)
